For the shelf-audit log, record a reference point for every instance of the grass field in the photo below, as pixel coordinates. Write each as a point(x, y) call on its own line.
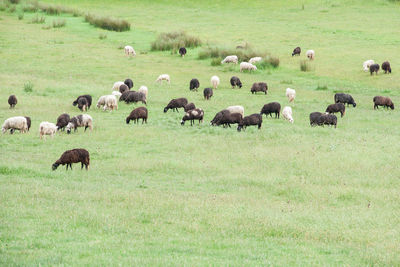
point(162, 194)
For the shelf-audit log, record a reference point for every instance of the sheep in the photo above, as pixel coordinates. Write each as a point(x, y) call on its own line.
point(259, 87)
point(143, 89)
point(273, 107)
point(73, 156)
point(194, 114)
point(235, 81)
point(88, 100)
point(101, 101)
point(290, 94)
point(163, 77)
point(386, 102)
point(226, 118)
point(327, 119)
point(136, 114)
point(176, 103)
point(189, 106)
point(128, 82)
point(215, 81)
point(62, 121)
point(124, 95)
point(367, 64)
point(117, 85)
point(247, 66)
point(253, 119)
point(134, 97)
point(82, 104)
point(344, 99)
point(12, 101)
point(123, 88)
point(110, 102)
point(182, 51)
point(230, 59)
point(47, 128)
point(374, 68)
point(16, 123)
point(338, 107)
point(129, 50)
point(217, 117)
point(386, 67)
point(310, 54)
point(194, 84)
point(287, 114)
point(207, 93)
point(117, 94)
point(83, 120)
point(255, 60)
point(314, 118)
point(236, 109)
point(296, 51)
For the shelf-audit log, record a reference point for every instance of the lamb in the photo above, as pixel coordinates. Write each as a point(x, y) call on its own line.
point(296, 51)
point(101, 101)
point(255, 60)
point(176, 103)
point(314, 118)
point(136, 114)
point(207, 93)
point(128, 82)
point(194, 84)
point(287, 114)
point(367, 64)
point(386, 67)
point(12, 101)
point(194, 114)
point(235, 81)
point(259, 87)
point(327, 119)
point(88, 100)
point(117, 85)
point(110, 103)
point(310, 54)
point(143, 89)
point(253, 119)
point(117, 94)
point(134, 97)
point(83, 120)
point(189, 106)
point(16, 123)
point(338, 107)
point(273, 107)
point(236, 109)
point(386, 102)
point(164, 77)
point(182, 51)
point(247, 66)
point(374, 68)
point(129, 50)
point(230, 59)
point(123, 88)
point(215, 81)
point(290, 94)
point(73, 156)
point(62, 121)
point(47, 128)
point(344, 99)
point(226, 118)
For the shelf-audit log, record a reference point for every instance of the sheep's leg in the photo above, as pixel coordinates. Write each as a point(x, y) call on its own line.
point(81, 165)
point(86, 128)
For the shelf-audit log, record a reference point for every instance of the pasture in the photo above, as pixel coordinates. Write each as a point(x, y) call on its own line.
point(163, 194)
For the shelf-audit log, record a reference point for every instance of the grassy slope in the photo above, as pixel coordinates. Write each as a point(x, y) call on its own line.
point(165, 194)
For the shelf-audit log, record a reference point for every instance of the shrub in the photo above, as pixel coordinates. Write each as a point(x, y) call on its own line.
point(110, 24)
point(268, 62)
point(11, 9)
point(173, 41)
point(14, 1)
point(244, 53)
point(28, 87)
point(59, 23)
point(216, 62)
point(102, 36)
point(321, 88)
point(30, 7)
point(20, 16)
point(305, 65)
point(38, 20)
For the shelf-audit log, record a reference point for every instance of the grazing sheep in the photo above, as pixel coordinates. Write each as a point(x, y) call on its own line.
point(189, 106)
point(129, 50)
point(236, 109)
point(83, 120)
point(208, 93)
point(117, 94)
point(230, 59)
point(255, 60)
point(101, 101)
point(176, 103)
point(143, 89)
point(338, 107)
point(215, 81)
point(287, 114)
point(327, 119)
point(386, 102)
point(88, 100)
point(253, 119)
point(296, 51)
point(182, 51)
point(193, 114)
point(226, 118)
point(123, 88)
point(47, 128)
point(124, 95)
point(110, 103)
point(259, 87)
point(344, 99)
point(374, 68)
point(117, 85)
point(273, 107)
point(194, 84)
point(136, 114)
point(235, 81)
point(73, 156)
point(16, 123)
point(128, 82)
point(83, 104)
point(310, 54)
point(134, 97)
point(314, 118)
point(163, 77)
point(217, 117)
point(12, 101)
point(62, 121)
point(367, 64)
point(290, 94)
point(247, 66)
point(386, 67)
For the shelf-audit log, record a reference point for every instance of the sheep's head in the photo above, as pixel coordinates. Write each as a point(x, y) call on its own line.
point(354, 104)
point(128, 120)
point(182, 122)
point(165, 109)
point(392, 106)
point(54, 166)
point(69, 127)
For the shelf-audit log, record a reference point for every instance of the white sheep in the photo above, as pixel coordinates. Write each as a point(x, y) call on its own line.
point(368, 63)
point(247, 66)
point(110, 102)
point(287, 114)
point(83, 120)
point(16, 123)
point(230, 59)
point(117, 94)
point(101, 101)
point(47, 128)
point(255, 60)
point(143, 89)
point(290, 94)
point(129, 50)
point(215, 81)
point(236, 109)
point(117, 85)
point(163, 77)
point(310, 54)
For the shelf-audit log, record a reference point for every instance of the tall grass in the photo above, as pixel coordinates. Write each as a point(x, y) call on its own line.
point(268, 62)
point(59, 23)
point(106, 23)
point(38, 19)
point(174, 40)
point(244, 53)
point(305, 65)
point(28, 87)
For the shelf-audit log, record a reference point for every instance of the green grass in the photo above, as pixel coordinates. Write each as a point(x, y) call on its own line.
point(161, 194)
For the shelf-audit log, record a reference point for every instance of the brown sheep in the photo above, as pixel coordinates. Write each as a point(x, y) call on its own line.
point(176, 103)
point(253, 119)
point(386, 67)
point(123, 88)
point(191, 115)
point(189, 106)
point(296, 51)
point(208, 93)
point(73, 156)
point(338, 107)
point(259, 87)
point(12, 101)
point(136, 114)
point(273, 107)
point(62, 121)
point(374, 68)
point(386, 102)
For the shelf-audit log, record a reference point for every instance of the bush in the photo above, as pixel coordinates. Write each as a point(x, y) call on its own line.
point(268, 62)
point(173, 41)
point(244, 53)
point(11, 9)
point(216, 62)
point(14, 1)
point(30, 7)
point(102, 36)
point(59, 23)
point(38, 20)
point(108, 23)
point(28, 87)
point(20, 16)
point(305, 65)
point(321, 88)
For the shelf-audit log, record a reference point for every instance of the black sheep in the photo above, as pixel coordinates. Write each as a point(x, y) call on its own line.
point(327, 119)
point(88, 99)
point(235, 81)
point(338, 107)
point(128, 82)
point(12, 101)
point(344, 99)
point(208, 93)
point(273, 107)
point(123, 88)
point(83, 104)
point(182, 51)
point(386, 67)
point(62, 121)
point(176, 103)
point(253, 119)
point(193, 114)
point(296, 51)
point(217, 117)
point(136, 114)
point(374, 68)
point(73, 156)
point(314, 118)
point(134, 97)
point(189, 106)
point(259, 87)
point(386, 102)
point(194, 84)
point(227, 118)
